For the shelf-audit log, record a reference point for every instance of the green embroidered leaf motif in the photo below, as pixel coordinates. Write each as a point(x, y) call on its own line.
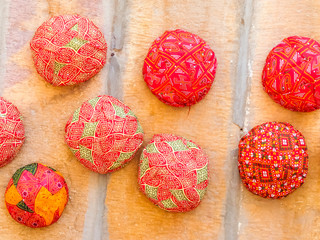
point(178, 145)
point(139, 129)
point(57, 67)
point(168, 203)
point(152, 192)
point(179, 195)
point(24, 206)
point(144, 165)
point(86, 153)
point(75, 27)
point(121, 159)
point(151, 148)
point(119, 111)
point(202, 174)
point(32, 168)
point(75, 116)
point(201, 192)
point(89, 129)
point(192, 145)
point(93, 102)
point(76, 43)
point(52, 169)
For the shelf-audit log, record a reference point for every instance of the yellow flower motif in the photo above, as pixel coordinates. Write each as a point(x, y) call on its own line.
point(46, 204)
point(12, 196)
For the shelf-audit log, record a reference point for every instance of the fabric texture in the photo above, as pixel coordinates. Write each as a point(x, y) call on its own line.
point(11, 131)
point(103, 134)
point(173, 173)
point(273, 159)
point(179, 68)
point(68, 49)
point(36, 195)
point(291, 75)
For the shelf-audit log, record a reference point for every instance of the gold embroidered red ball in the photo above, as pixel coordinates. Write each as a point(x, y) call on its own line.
point(179, 68)
point(104, 134)
point(11, 131)
point(291, 75)
point(273, 159)
point(36, 195)
point(173, 173)
point(68, 49)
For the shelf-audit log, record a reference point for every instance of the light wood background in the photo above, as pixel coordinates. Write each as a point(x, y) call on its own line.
point(110, 206)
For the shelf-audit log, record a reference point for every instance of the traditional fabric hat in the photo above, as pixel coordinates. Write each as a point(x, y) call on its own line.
point(68, 49)
point(103, 134)
point(36, 195)
point(273, 159)
point(11, 131)
point(173, 173)
point(179, 68)
point(291, 75)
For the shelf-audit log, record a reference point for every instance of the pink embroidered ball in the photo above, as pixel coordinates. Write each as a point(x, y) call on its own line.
point(36, 195)
point(291, 75)
point(68, 49)
point(179, 68)
point(104, 134)
point(173, 173)
point(11, 131)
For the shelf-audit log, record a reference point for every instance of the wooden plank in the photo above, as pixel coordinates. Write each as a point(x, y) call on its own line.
point(294, 217)
point(129, 214)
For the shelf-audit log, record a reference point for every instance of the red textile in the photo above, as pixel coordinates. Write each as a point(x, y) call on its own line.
point(36, 195)
point(68, 49)
point(173, 173)
point(179, 68)
point(103, 134)
point(291, 75)
point(273, 159)
point(11, 131)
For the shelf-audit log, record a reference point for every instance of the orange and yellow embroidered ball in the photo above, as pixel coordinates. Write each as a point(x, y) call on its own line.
point(273, 159)
point(104, 134)
point(179, 68)
point(11, 131)
point(36, 195)
point(173, 173)
point(68, 49)
point(291, 75)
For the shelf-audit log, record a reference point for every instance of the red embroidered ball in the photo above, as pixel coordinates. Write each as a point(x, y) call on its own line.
point(173, 173)
point(273, 159)
point(36, 195)
point(11, 131)
point(179, 68)
point(291, 75)
point(68, 49)
point(103, 134)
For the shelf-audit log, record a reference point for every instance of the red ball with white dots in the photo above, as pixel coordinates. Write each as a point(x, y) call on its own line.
point(273, 159)
point(291, 75)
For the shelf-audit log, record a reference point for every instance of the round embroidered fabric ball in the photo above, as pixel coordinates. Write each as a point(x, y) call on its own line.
point(36, 195)
point(291, 75)
point(273, 159)
point(68, 49)
point(11, 131)
point(104, 134)
point(173, 173)
point(179, 68)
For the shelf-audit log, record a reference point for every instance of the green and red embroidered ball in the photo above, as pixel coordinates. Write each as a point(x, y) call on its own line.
point(68, 49)
point(173, 173)
point(104, 134)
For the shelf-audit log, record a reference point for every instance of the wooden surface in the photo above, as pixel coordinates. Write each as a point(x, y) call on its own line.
point(110, 206)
